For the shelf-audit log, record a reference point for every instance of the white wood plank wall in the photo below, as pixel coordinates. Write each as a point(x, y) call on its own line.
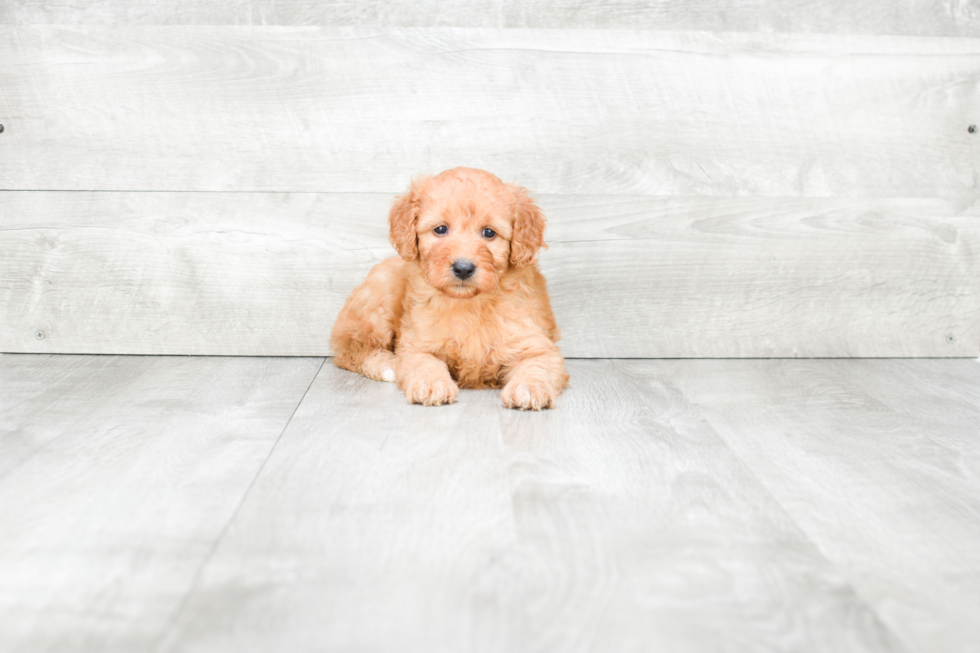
point(610, 112)
point(909, 17)
point(798, 180)
point(633, 276)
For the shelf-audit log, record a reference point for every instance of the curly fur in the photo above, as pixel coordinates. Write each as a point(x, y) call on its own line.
point(415, 322)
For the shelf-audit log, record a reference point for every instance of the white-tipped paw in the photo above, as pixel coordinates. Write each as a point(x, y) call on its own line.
point(432, 393)
point(528, 395)
point(380, 366)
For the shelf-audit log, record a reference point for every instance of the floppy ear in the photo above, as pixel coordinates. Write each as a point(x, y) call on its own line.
point(528, 233)
point(402, 219)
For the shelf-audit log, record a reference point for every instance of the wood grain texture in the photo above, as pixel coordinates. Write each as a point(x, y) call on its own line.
point(764, 278)
point(639, 530)
point(266, 274)
point(921, 17)
point(877, 461)
point(663, 505)
point(377, 526)
point(118, 475)
point(619, 521)
point(564, 111)
point(184, 273)
point(40, 399)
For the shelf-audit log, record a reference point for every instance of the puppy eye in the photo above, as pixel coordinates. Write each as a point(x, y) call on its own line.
point(441, 230)
point(489, 233)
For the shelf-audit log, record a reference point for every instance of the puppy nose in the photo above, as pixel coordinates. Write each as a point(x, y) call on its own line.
point(463, 269)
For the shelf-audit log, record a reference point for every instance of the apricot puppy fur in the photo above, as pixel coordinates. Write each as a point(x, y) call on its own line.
point(465, 305)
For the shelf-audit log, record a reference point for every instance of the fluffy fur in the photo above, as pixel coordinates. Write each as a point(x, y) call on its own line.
point(416, 322)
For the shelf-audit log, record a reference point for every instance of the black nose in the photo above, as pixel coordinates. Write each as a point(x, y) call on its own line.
point(463, 269)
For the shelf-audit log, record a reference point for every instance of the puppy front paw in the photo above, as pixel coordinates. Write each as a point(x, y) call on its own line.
point(431, 392)
point(380, 366)
point(528, 394)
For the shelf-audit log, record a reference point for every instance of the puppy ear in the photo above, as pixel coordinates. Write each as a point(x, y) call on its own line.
point(402, 218)
point(528, 232)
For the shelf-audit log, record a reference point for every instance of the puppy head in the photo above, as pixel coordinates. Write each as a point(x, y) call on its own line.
point(466, 228)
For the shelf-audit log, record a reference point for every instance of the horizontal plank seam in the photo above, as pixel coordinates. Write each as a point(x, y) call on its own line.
point(766, 358)
point(571, 358)
point(399, 191)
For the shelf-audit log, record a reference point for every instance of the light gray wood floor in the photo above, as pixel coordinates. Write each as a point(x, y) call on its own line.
point(272, 504)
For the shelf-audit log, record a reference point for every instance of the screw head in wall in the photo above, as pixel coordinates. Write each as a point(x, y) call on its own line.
point(971, 128)
point(951, 338)
point(1, 129)
point(39, 335)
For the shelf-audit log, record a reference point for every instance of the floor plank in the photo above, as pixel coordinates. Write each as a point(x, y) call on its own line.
point(640, 530)
point(128, 470)
point(617, 522)
point(41, 398)
point(877, 464)
point(375, 526)
point(162, 503)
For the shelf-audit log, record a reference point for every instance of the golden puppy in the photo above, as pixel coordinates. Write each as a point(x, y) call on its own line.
point(465, 305)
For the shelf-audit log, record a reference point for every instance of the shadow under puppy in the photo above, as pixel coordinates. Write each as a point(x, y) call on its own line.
point(465, 305)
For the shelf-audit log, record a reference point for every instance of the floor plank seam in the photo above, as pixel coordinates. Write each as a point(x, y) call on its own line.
point(897, 637)
point(751, 472)
point(49, 444)
point(224, 531)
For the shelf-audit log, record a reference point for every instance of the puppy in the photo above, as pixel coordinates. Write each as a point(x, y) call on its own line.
point(465, 305)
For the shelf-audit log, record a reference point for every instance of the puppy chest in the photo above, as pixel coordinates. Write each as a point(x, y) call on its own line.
point(474, 347)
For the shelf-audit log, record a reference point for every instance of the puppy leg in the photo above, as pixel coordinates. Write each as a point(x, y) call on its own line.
point(363, 337)
point(425, 379)
point(379, 365)
point(534, 382)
